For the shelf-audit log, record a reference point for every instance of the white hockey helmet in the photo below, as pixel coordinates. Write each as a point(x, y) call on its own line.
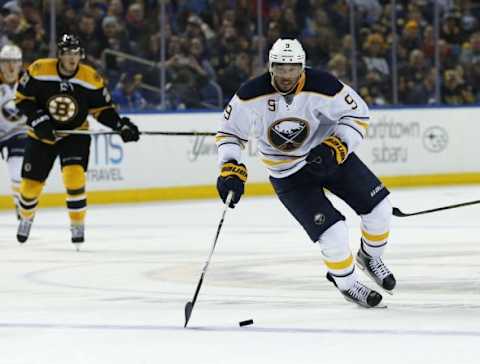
point(10, 52)
point(286, 51)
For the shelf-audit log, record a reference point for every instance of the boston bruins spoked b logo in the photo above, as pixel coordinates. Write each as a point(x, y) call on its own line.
point(63, 107)
point(288, 134)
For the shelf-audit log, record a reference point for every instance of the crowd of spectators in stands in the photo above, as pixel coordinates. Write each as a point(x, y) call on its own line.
point(212, 46)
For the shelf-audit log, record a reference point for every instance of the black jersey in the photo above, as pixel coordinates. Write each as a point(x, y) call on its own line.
point(67, 100)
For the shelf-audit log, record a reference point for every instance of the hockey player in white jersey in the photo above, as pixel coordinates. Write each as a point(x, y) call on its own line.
point(12, 122)
point(308, 125)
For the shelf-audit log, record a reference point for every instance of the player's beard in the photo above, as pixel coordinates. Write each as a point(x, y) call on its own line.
point(285, 85)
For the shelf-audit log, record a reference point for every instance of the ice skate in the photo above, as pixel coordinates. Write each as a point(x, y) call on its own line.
point(360, 294)
point(23, 230)
point(78, 235)
point(376, 270)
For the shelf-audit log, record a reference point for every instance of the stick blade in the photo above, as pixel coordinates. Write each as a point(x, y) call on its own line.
point(396, 212)
point(188, 312)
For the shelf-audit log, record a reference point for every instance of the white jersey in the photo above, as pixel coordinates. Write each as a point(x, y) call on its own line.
point(11, 121)
point(288, 127)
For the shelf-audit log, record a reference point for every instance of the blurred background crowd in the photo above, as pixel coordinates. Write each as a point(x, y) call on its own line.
point(183, 54)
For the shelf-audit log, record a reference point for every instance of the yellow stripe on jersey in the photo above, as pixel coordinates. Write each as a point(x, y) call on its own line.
point(361, 123)
point(43, 67)
point(88, 75)
point(20, 97)
point(46, 69)
point(300, 84)
point(343, 264)
point(222, 137)
point(84, 126)
point(96, 111)
point(273, 163)
point(240, 142)
point(375, 237)
point(32, 135)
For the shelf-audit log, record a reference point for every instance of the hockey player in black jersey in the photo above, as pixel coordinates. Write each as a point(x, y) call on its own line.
point(58, 94)
point(308, 125)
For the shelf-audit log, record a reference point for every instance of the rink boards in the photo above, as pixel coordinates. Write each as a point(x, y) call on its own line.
point(406, 147)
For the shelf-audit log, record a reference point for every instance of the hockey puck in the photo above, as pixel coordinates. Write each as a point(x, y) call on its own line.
point(246, 323)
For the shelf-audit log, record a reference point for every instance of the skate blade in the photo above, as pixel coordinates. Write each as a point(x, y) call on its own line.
point(362, 268)
point(380, 305)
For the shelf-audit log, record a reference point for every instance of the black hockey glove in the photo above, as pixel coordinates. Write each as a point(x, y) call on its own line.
point(232, 178)
point(327, 156)
point(43, 126)
point(128, 131)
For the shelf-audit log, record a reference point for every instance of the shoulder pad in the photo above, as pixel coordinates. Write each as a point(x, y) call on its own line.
point(43, 67)
point(89, 77)
point(321, 82)
point(259, 86)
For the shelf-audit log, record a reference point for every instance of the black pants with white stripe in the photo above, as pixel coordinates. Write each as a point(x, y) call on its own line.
point(303, 194)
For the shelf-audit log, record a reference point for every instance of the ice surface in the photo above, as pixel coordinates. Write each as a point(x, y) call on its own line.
point(121, 298)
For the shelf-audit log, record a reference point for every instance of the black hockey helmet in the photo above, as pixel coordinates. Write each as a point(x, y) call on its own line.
point(69, 42)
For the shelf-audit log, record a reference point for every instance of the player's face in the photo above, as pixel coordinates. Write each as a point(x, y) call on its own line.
point(286, 75)
point(10, 70)
point(69, 61)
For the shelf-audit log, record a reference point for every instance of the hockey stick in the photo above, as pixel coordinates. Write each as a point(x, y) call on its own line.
point(189, 305)
point(396, 211)
point(112, 132)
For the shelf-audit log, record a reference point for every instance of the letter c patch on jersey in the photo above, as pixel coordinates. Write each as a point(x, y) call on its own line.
point(288, 134)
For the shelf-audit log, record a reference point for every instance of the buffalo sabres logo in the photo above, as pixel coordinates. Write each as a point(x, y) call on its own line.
point(288, 134)
point(62, 107)
point(10, 112)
